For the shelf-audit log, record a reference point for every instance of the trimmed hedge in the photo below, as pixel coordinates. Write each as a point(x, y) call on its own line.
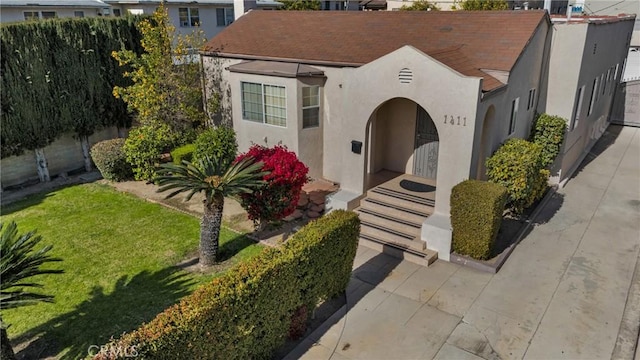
point(476, 215)
point(516, 165)
point(248, 312)
point(184, 152)
point(548, 131)
point(111, 160)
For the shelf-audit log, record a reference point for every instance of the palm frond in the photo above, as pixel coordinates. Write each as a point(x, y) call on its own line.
point(209, 178)
point(19, 262)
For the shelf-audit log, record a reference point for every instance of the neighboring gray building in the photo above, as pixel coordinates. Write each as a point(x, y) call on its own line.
point(20, 10)
point(422, 97)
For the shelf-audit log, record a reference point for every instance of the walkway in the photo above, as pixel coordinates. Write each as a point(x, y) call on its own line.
point(567, 291)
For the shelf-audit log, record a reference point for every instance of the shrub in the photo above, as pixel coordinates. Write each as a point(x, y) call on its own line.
point(111, 160)
point(219, 142)
point(516, 165)
point(476, 214)
point(184, 152)
point(247, 312)
point(144, 146)
point(279, 195)
point(548, 131)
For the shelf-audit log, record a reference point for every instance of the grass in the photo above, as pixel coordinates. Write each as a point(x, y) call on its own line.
point(118, 256)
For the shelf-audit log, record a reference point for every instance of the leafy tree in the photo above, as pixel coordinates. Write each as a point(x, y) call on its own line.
point(483, 5)
point(215, 182)
point(300, 5)
point(143, 148)
point(166, 77)
point(218, 142)
point(284, 178)
point(420, 5)
point(19, 262)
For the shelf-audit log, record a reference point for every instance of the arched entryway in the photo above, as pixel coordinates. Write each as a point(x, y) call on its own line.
point(401, 139)
point(401, 164)
point(486, 142)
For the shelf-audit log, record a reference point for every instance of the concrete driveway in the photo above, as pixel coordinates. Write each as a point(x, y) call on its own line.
point(568, 291)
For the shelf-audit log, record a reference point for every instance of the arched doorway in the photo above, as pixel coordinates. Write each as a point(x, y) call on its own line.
point(401, 139)
point(486, 143)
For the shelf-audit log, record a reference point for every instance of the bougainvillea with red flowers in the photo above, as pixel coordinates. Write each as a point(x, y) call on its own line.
point(279, 195)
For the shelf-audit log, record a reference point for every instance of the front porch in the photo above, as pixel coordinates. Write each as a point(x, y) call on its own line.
point(392, 213)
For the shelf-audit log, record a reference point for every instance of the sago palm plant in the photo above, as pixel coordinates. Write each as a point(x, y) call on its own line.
point(19, 262)
point(216, 182)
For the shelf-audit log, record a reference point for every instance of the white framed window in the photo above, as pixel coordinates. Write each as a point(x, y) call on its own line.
point(264, 103)
point(514, 115)
point(31, 15)
point(224, 16)
point(612, 81)
point(37, 15)
point(189, 17)
point(615, 74)
point(310, 107)
point(594, 96)
point(532, 99)
point(116, 12)
point(603, 85)
point(78, 14)
point(577, 108)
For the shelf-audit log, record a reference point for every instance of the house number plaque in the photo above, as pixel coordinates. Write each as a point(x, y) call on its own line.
point(455, 120)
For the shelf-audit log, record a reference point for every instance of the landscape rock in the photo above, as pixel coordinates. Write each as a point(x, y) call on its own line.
point(317, 208)
point(312, 214)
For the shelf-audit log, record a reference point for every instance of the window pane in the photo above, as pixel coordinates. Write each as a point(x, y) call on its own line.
point(275, 109)
point(31, 15)
point(220, 17)
point(310, 117)
point(229, 16)
point(195, 17)
point(48, 14)
point(78, 14)
point(184, 16)
point(252, 101)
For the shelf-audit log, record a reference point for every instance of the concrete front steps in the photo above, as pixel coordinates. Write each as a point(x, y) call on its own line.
point(391, 222)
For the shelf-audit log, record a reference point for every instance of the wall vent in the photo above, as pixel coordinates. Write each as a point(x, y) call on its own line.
point(405, 76)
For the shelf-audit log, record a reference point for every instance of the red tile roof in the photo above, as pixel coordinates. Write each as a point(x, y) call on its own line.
point(466, 41)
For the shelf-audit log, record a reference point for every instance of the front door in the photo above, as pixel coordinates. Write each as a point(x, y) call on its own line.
point(425, 163)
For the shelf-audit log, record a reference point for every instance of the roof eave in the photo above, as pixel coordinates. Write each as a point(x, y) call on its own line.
point(269, 58)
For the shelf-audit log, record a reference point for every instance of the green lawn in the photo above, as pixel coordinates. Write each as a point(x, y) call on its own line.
point(118, 256)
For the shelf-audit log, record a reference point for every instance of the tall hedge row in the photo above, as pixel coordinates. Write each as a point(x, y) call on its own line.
point(248, 312)
point(476, 215)
point(58, 77)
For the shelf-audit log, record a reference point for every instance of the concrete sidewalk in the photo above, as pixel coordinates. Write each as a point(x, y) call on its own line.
point(567, 291)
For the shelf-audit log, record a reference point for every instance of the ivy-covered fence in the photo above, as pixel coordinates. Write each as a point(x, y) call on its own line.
point(57, 78)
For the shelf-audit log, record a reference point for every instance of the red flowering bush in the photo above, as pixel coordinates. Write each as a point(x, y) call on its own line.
point(279, 195)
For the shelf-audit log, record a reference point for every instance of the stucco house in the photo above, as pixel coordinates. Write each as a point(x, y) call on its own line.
point(20, 10)
point(398, 107)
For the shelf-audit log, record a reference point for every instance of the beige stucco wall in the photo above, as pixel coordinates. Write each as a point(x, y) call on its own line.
point(524, 76)
point(371, 85)
point(63, 155)
point(395, 127)
point(306, 143)
point(580, 52)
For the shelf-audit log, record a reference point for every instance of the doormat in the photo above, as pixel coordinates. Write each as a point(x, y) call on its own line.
point(416, 186)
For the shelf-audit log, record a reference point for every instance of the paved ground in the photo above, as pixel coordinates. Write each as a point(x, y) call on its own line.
point(567, 291)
